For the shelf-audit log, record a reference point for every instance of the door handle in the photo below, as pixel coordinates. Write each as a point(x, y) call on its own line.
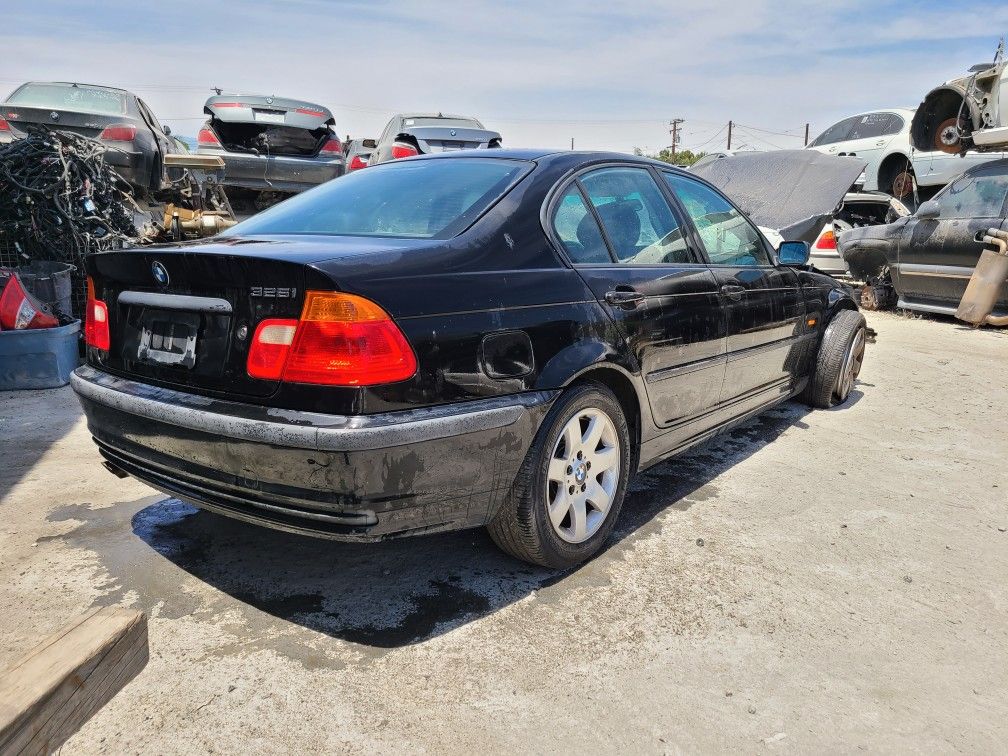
point(628, 299)
point(733, 291)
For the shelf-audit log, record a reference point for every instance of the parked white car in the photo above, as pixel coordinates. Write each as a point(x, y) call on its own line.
point(882, 139)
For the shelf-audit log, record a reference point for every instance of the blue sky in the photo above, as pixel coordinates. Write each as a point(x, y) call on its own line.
point(610, 74)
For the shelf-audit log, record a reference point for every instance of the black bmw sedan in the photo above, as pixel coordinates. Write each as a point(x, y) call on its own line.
point(493, 338)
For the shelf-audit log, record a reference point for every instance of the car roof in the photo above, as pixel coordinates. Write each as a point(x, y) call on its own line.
point(551, 155)
point(436, 115)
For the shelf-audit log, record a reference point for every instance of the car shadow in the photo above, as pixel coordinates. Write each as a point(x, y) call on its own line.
point(399, 592)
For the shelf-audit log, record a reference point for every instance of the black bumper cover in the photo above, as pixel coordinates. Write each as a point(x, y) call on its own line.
point(363, 477)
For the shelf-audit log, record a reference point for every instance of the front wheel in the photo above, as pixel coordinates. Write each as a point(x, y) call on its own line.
point(569, 490)
point(839, 360)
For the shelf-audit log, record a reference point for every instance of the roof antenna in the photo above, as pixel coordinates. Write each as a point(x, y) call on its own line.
point(218, 90)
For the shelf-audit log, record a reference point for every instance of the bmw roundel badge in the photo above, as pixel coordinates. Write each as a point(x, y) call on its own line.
point(453, 132)
point(160, 274)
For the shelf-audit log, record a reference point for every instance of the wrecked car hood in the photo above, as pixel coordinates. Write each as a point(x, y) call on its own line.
point(793, 191)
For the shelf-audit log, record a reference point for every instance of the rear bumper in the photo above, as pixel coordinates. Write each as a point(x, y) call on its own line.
point(276, 172)
point(127, 164)
point(363, 477)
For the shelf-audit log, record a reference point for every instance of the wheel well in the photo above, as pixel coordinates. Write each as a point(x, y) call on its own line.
point(891, 166)
point(625, 394)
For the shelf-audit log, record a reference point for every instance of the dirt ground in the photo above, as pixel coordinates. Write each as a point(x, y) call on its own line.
point(829, 580)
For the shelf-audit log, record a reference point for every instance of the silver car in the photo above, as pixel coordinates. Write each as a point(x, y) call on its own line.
point(271, 144)
point(409, 134)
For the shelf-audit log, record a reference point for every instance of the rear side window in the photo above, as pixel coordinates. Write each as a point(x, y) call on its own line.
point(637, 219)
point(70, 97)
point(578, 230)
point(727, 235)
point(424, 199)
point(974, 196)
point(875, 125)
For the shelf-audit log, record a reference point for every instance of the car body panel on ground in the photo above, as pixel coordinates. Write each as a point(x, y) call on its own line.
point(931, 254)
point(270, 143)
point(687, 319)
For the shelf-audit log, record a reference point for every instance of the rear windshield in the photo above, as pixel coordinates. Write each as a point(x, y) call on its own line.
point(420, 199)
point(70, 97)
point(461, 123)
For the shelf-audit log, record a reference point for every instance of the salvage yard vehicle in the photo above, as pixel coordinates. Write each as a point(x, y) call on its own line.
point(271, 144)
point(490, 338)
point(968, 113)
point(929, 257)
point(357, 153)
point(801, 195)
point(136, 142)
point(882, 139)
point(411, 134)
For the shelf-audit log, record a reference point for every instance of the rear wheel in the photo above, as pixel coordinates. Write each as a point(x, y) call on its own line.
point(902, 184)
point(839, 360)
point(569, 490)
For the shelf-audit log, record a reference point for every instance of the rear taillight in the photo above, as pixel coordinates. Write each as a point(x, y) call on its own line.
point(206, 136)
point(357, 162)
point(4, 126)
point(333, 145)
point(826, 240)
point(96, 323)
point(310, 112)
point(118, 132)
point(403, 150)
point(340, 340)
point(230, 105)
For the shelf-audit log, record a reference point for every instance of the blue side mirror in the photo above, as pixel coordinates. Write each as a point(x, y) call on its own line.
point(794, 253)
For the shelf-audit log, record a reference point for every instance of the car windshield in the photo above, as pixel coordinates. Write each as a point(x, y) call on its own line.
point(420, 199)
point(70, 97)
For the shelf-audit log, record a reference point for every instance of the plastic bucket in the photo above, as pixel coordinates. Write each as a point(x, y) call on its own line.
point(49, 281)
point(38, 358)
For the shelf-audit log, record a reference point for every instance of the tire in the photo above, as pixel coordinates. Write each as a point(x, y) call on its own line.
point(839, 360)
point(579, 529)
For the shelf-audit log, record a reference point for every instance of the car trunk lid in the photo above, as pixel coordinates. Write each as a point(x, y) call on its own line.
point(185, 316)
point(79, 122)
point(432, 139)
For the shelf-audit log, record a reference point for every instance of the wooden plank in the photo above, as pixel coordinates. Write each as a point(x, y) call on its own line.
point(54, 689)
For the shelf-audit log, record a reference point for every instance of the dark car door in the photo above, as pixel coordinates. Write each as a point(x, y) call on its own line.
point(936, 256)
point(628, 244)
point(763, 302)
point(154, 144)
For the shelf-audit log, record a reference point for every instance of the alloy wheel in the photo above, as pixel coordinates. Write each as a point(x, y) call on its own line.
point(583, 474)
point(851, 365)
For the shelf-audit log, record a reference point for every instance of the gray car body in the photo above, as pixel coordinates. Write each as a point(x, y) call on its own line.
point(255, 166)
point(931, 259)
point(454, 133)
point(140, 162)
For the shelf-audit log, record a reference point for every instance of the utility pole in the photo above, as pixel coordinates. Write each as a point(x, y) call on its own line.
point(572, 144)
point(729, 134)
point(806, 134)
point(675, 123)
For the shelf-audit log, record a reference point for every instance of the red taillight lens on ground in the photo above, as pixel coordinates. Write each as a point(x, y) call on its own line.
point(20, 310)
point(119, 132)
point(333, 145)
point(403, 150)
point(96, 321)
point(340, 340)
point(4, 126)
point(206, 136)
point(826, 240)
point(356, 163)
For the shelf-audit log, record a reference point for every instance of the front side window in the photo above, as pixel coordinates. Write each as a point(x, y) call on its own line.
point(835, 133)
point(973, 196)
point(727, 235)
point(420, 199)
point(578, 231)
point(638, 221)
